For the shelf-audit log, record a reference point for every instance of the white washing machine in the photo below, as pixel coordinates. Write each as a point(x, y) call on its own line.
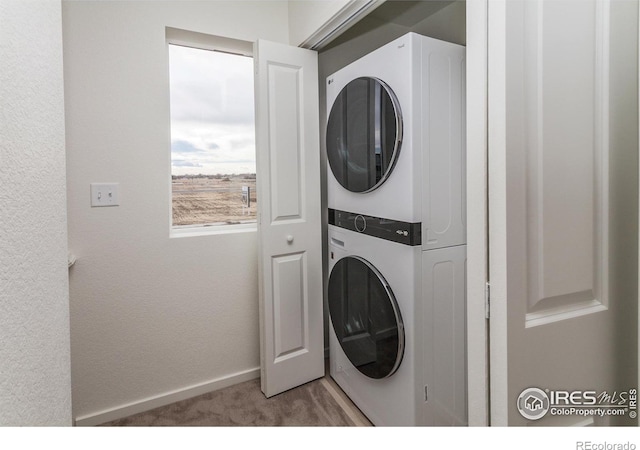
point(397, 259)
point(395, 137)
point(397, 334)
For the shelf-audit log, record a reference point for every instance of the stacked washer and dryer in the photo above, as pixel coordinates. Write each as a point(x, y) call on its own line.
point(397, 253)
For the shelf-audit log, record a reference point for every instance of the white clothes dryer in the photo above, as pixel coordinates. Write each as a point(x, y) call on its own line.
point(397, 335)
point(395, 137)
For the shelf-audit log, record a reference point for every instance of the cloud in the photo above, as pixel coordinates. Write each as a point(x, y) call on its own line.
point(211, 87)
point(212, 112)
point(183, 163)
point(238, 161)
point(248, 141)
point(180, 146)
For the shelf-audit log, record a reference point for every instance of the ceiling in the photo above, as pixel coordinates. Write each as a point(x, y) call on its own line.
point(426, 17)
point(407, 13)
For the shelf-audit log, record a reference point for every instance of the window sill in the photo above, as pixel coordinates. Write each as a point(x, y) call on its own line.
point(209, 230)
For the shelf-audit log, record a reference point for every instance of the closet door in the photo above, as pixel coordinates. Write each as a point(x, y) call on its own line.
point(559, 126)
point(289, 220)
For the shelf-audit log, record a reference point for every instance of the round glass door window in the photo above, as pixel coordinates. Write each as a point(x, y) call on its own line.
point(365, 317)
point(364, 134)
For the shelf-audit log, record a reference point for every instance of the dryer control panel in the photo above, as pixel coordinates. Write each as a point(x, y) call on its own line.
point(391, 230)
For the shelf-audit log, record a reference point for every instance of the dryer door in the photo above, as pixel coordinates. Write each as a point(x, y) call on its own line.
point(364, 134)
point(365, 317)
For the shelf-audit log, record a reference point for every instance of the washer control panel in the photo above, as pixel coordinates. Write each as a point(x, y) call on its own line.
point(391, 230)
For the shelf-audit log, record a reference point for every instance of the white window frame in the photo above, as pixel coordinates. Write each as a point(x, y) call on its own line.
point(202, 41)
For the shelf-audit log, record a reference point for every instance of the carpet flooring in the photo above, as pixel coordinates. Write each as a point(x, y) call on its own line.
point(313, 404)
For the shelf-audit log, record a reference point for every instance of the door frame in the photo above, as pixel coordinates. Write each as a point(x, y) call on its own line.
point(496, 216)
point(478, 392)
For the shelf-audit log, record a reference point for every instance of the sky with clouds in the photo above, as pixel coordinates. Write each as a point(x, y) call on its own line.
point(212, 112)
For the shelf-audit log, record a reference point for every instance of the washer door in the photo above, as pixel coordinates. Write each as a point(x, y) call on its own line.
point(364, 134)
point(365, 317)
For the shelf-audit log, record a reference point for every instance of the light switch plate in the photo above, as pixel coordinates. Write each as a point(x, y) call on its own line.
point(104, 194)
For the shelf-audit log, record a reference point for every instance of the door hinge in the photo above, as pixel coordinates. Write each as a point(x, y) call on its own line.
point(426, 397)
point(487, 300)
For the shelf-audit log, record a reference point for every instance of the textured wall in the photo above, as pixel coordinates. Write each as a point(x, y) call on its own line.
point(150, 314)
point(35, 386)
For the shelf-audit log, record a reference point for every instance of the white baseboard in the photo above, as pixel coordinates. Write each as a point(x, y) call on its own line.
point(164, 399)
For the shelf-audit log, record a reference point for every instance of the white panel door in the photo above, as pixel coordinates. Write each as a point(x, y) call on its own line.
point(289, 220)
point(552, 318)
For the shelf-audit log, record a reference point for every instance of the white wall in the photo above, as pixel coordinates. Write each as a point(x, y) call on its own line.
point(35, 385)
point(150, 315)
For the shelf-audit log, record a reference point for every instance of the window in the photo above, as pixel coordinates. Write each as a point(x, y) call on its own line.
point(213, 159)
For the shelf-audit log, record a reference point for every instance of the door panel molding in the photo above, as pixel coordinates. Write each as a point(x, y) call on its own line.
point(566, 168)
point(286, 135)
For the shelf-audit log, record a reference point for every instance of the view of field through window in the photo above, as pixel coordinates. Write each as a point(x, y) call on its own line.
point(213, 165)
